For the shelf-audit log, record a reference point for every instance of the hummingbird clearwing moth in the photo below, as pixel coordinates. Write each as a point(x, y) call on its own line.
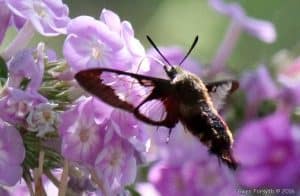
point(184, 98)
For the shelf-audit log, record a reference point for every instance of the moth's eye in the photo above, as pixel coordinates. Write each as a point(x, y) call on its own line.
point(171, 72)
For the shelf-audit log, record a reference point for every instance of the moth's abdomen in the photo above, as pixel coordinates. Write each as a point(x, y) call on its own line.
point(211, 130)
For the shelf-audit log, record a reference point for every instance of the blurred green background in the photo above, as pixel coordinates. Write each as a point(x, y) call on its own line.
point(172, 22)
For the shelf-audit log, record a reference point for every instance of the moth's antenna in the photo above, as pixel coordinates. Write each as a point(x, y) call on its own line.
point(155, 47)
point(190, 50)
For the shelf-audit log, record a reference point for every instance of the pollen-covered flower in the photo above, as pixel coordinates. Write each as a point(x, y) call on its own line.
point(42, 119)
point(268, 152)
point(80, 129)
point(49, 18)
point(12, 154)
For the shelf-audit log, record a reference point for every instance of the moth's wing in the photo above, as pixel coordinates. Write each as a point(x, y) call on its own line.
point(219, 91)
point(148, 98)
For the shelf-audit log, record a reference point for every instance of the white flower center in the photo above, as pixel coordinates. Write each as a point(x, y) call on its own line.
point(86, 131)
point(42, 119)
point(84, 135)
point(96, 53)
point(39, 8)
point(20, 108)
point(47, 115)
point(115, 158)
point(97, 50)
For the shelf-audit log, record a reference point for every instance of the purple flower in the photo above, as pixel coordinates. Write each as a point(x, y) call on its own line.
point(258, 86)
point(128, 127)
point(49, 17)
point(289, 74)
point(109, 43)
point(12, 154)
point(170, 180)
point(289, 78)
point(42, 119)
point(7, 18)
point(174, 56)
point(124, 28)
point(290, 96)
point(192, 177)
point(18, 21)
point(80, 129)
point(263, 30)
point(27, 64)
point(116, 162)
point(100, 47)
point(51, 55)
point(21, 188)
point(4, 192)
point(109, 140)
point(181, 145)
point(15, 104)
point(4, 19)
point(268, 152)
point(186, 167)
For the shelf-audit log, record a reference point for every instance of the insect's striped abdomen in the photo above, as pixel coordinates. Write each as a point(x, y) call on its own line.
point(212, 131)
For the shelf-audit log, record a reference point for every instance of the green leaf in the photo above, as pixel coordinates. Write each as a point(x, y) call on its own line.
point(132, 191)
point(3, 71)
point(33, 146)
point(3, 68)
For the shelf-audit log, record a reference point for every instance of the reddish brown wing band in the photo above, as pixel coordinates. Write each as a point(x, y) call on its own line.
point(91, 81)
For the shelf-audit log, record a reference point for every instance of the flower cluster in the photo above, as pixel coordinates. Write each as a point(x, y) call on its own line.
point(58, 139)
point(270, 159)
